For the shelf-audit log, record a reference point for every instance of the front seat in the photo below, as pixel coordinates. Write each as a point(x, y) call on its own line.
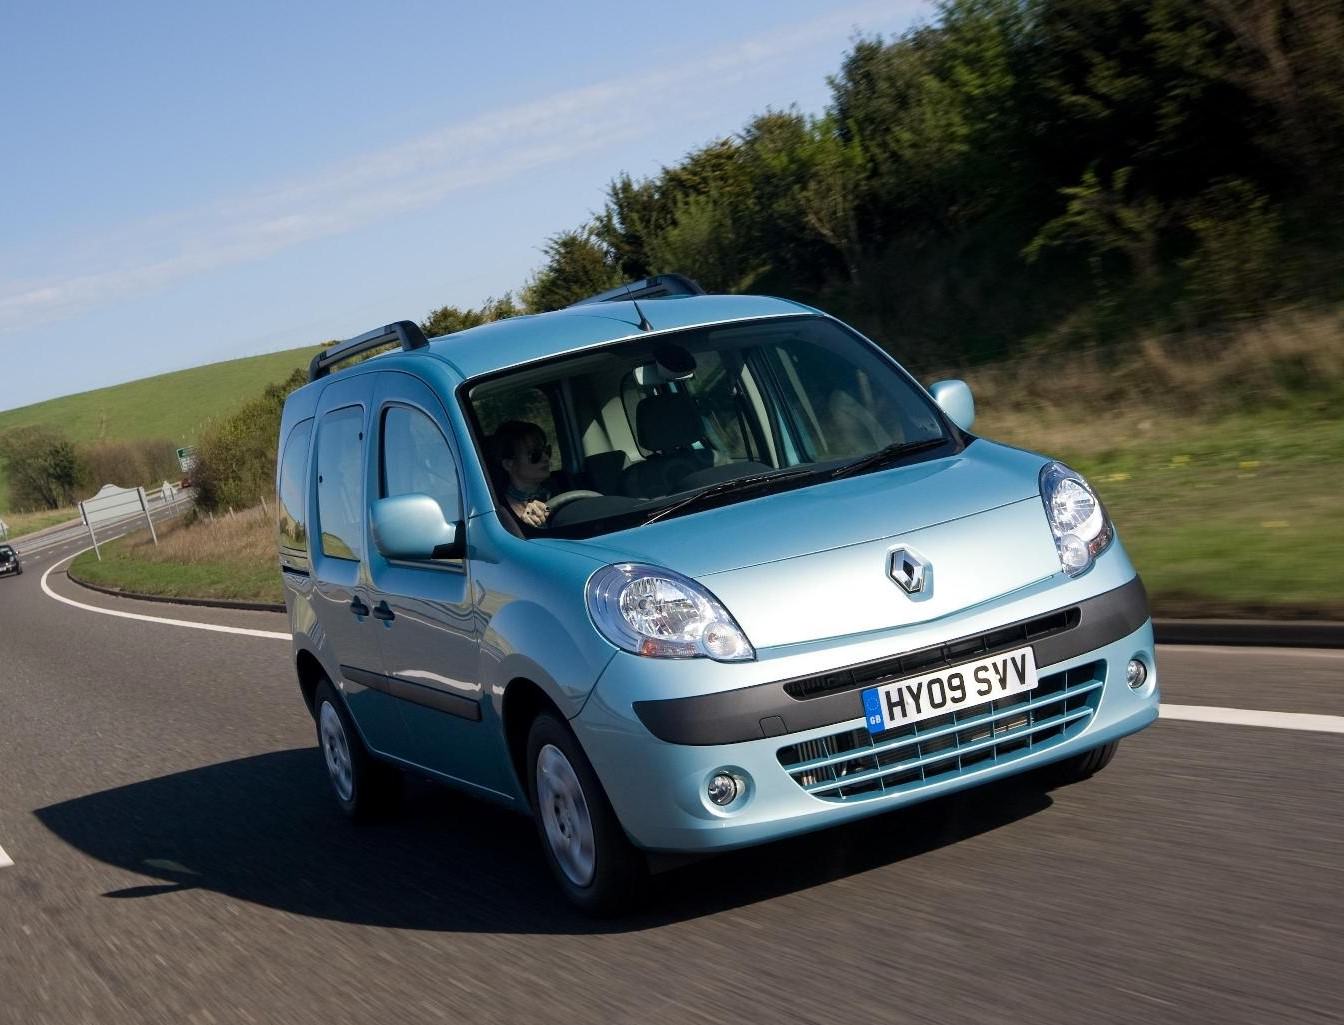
point(668, 426)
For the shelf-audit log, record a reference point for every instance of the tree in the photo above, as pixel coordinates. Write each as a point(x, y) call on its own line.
point(700, 242)
point(448, 319)
point(1105, 217)
point(43, 467)
point(830, 200)
point(577, 265)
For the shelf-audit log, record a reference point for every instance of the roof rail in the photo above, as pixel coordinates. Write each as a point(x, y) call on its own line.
point(660, 286)
point(404, 332)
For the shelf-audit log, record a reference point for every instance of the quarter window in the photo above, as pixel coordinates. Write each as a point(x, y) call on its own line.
point(340, 487)
point(292, 515)
point(416, 460)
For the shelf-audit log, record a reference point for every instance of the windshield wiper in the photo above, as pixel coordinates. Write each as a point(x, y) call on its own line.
point(884, 456)
point(749, 483)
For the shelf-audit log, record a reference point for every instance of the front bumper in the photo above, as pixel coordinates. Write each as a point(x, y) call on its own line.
point(657, 785)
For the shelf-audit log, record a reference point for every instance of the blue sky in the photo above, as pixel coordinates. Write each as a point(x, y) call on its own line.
point(185, 183)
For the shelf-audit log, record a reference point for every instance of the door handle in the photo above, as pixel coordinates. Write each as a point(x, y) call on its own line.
point(384, 612)
point(358, 607)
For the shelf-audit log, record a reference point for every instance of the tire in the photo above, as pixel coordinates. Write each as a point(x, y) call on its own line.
point(1081, 766)
point(592, 859)
point(364, 787)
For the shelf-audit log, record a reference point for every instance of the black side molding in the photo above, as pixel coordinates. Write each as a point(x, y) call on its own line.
point(768, 709)
point(415, 693)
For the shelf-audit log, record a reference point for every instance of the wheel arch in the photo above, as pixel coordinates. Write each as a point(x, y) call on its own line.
point(311, 674)
point(523, 701)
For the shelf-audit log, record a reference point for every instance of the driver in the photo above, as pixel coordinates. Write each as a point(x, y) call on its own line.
point(523, 461)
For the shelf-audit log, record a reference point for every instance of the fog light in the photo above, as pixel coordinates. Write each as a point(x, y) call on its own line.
point(1136, 674)
point(722, 789)
point(1073, 553)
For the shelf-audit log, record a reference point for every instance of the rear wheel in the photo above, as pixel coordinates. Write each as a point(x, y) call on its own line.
point(363, 786)
point(590, 856)
point(1081, 766)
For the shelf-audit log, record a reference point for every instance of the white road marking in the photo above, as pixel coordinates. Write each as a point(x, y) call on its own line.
point(188, 624)
point(5, 860)
point(1253, 717)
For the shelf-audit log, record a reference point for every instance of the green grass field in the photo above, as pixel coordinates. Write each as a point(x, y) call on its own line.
point(1237, 515)
point(174, 406)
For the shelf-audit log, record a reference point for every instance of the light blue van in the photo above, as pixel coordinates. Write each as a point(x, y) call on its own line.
point(680, 572)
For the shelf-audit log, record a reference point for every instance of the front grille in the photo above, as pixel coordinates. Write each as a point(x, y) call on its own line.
point(857, 765)
point(939, 656)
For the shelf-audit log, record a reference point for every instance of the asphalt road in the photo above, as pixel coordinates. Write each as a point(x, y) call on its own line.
point(176, 859)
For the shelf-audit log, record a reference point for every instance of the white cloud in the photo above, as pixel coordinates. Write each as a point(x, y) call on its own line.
point(421, 172)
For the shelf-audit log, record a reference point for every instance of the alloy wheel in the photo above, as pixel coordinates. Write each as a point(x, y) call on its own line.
point(565, 816)
point(336, 751)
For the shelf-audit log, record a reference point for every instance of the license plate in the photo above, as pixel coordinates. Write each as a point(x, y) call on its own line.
point(949, 690)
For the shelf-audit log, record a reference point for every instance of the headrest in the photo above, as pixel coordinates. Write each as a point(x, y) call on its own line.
point(665, 422)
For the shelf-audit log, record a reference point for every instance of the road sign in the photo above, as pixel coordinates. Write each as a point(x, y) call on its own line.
point(112, 504)
point(186, 458)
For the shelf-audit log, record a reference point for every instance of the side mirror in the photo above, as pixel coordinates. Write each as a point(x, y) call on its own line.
point(955, 399)
point(413, 527)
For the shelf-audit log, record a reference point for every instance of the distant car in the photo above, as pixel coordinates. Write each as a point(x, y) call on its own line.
point(9, 561)
point(683, 573)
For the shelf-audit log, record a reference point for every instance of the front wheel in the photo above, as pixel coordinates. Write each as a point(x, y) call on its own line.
point(1081, 766)
point(592, 859)
point(363, 786)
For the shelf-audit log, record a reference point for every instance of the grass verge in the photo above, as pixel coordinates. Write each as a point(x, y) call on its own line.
point(1223, 471)
point(21, 524)
point(231, 558)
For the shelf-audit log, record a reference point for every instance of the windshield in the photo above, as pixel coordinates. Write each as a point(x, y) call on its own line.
point(649, 428)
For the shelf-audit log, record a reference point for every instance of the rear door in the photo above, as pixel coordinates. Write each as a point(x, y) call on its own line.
point(341, 586)
point(431, 628)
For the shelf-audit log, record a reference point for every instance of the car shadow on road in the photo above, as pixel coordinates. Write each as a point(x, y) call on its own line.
point(263, 830)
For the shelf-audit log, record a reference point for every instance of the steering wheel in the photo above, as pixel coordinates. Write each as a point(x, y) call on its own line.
point(558, 502)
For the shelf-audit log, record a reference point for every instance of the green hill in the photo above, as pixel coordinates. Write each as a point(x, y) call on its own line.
point(174, 406)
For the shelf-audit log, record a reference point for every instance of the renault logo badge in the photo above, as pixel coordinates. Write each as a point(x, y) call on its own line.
point(908, 570)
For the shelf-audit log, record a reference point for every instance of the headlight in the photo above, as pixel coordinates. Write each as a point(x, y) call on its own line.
point(1078, 521)
point(660, 614)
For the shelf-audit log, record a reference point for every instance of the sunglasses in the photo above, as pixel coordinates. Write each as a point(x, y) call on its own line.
point(539, 455)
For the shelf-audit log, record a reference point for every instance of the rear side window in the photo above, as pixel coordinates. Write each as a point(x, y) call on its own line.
point(418, 461)
point(340, 483)
point(293, 514)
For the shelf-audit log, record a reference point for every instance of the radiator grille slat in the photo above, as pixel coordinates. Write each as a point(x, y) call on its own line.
point(856, 765)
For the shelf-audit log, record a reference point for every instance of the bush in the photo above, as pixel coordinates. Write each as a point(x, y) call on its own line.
point(1234, 271)
point(235, 458)
point(128, 464)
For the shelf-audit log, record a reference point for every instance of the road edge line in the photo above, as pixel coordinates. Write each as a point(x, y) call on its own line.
point(165, 599)
point(1309, 721)
point(142, 617)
